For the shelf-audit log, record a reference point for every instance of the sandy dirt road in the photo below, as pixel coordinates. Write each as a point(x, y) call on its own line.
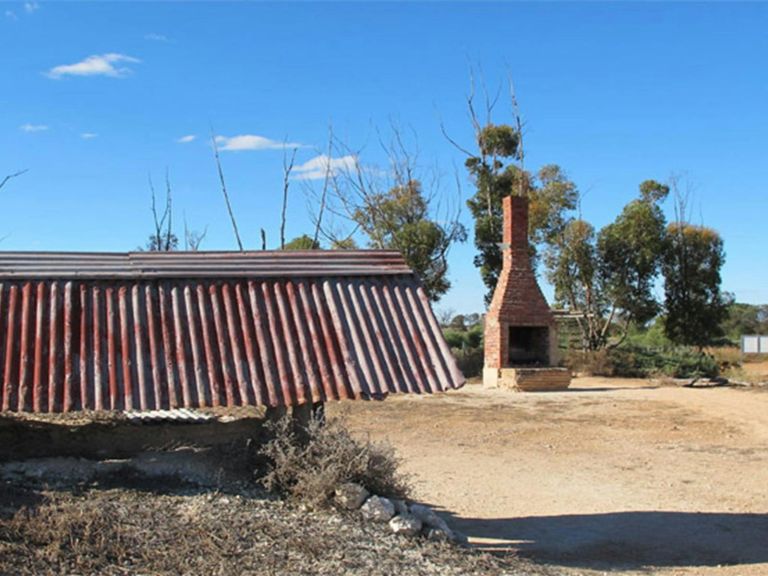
point(612, 475)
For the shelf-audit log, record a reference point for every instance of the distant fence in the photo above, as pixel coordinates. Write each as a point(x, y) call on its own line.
point(754, 344)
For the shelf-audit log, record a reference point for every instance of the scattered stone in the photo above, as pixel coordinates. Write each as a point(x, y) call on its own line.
point(405, 525)
point(378, 509)
point(351, 496)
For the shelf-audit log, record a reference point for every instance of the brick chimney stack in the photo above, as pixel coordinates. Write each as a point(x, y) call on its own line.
point(518, 306)
point(515, 233)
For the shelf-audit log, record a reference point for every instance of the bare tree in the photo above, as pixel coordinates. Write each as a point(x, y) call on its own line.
point(324, 193)
point(287, 169)
point(5, 180)
point(162, 239)
point(224, 191)
point(399, 208)
point(193, 238)
point(445, 315)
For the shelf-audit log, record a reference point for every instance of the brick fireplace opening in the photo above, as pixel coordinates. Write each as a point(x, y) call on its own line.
point(528, 346)
point(520, 330)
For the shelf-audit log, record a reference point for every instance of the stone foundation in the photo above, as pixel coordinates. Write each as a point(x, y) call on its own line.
point(527, 379)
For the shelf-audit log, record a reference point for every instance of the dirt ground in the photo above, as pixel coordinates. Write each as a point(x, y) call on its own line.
point(613, 475)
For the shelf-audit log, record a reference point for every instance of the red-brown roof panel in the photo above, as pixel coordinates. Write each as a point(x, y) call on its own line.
point(141, 332)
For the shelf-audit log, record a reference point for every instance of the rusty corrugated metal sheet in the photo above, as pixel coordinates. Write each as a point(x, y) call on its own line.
point(149, 265)
point(69, 343)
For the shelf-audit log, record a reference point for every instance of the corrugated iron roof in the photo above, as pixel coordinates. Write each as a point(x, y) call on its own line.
point(261, 264)
point(112, 337)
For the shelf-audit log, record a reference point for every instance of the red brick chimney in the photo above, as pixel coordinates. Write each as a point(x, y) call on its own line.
point(519, 326)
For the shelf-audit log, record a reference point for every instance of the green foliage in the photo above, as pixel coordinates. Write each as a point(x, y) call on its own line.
point(630, 251)
point(745, 319)
point(652, 336)
point(574, 269)
point(162, 243)
point(695, 307)
point(495, 176)
point(399, 220)
point(676, 362)
point(344, 244)
point(608, 277)
point(471, 338)
point(499, 141)
point(550, 201)
point(653, 192)
point(464, 336)
point(470, 361)
point(302, 242)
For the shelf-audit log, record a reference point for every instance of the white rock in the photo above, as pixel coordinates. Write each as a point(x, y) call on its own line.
point(351, 496)
point(405, 524)
point(378, 509)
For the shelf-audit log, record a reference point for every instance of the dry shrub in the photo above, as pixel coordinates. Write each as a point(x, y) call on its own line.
point(593, 363)
point(307, 465)
point(725, 356)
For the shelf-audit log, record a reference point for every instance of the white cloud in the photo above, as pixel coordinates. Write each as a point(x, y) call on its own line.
point(252, 142)
point(317, 167)
point(156, 37)
point(31, 7)
point(88, 135)
point(186, 139)
point(33, 127)
point(96, 65)
point(11, 14)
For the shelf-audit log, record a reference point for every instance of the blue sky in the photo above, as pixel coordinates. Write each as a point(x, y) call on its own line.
point(96, 96)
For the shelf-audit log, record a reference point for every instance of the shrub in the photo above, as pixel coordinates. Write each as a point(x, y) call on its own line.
point(454, 338)
point(469, 361)
point(307, 465)
point(594, 363)
point(726, 356)
point(635, 361)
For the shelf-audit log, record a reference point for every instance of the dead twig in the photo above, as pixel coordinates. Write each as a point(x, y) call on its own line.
point(5, 180)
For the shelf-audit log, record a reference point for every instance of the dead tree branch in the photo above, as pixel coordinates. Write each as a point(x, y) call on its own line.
point(193, 238)
point(163, 239)
point(324, 194)
point(224, 191)
point(5, 180)
point(287, 169)
point(519, 129)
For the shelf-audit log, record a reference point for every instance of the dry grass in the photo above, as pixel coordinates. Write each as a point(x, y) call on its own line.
point(726, 356)
point(119, 531)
